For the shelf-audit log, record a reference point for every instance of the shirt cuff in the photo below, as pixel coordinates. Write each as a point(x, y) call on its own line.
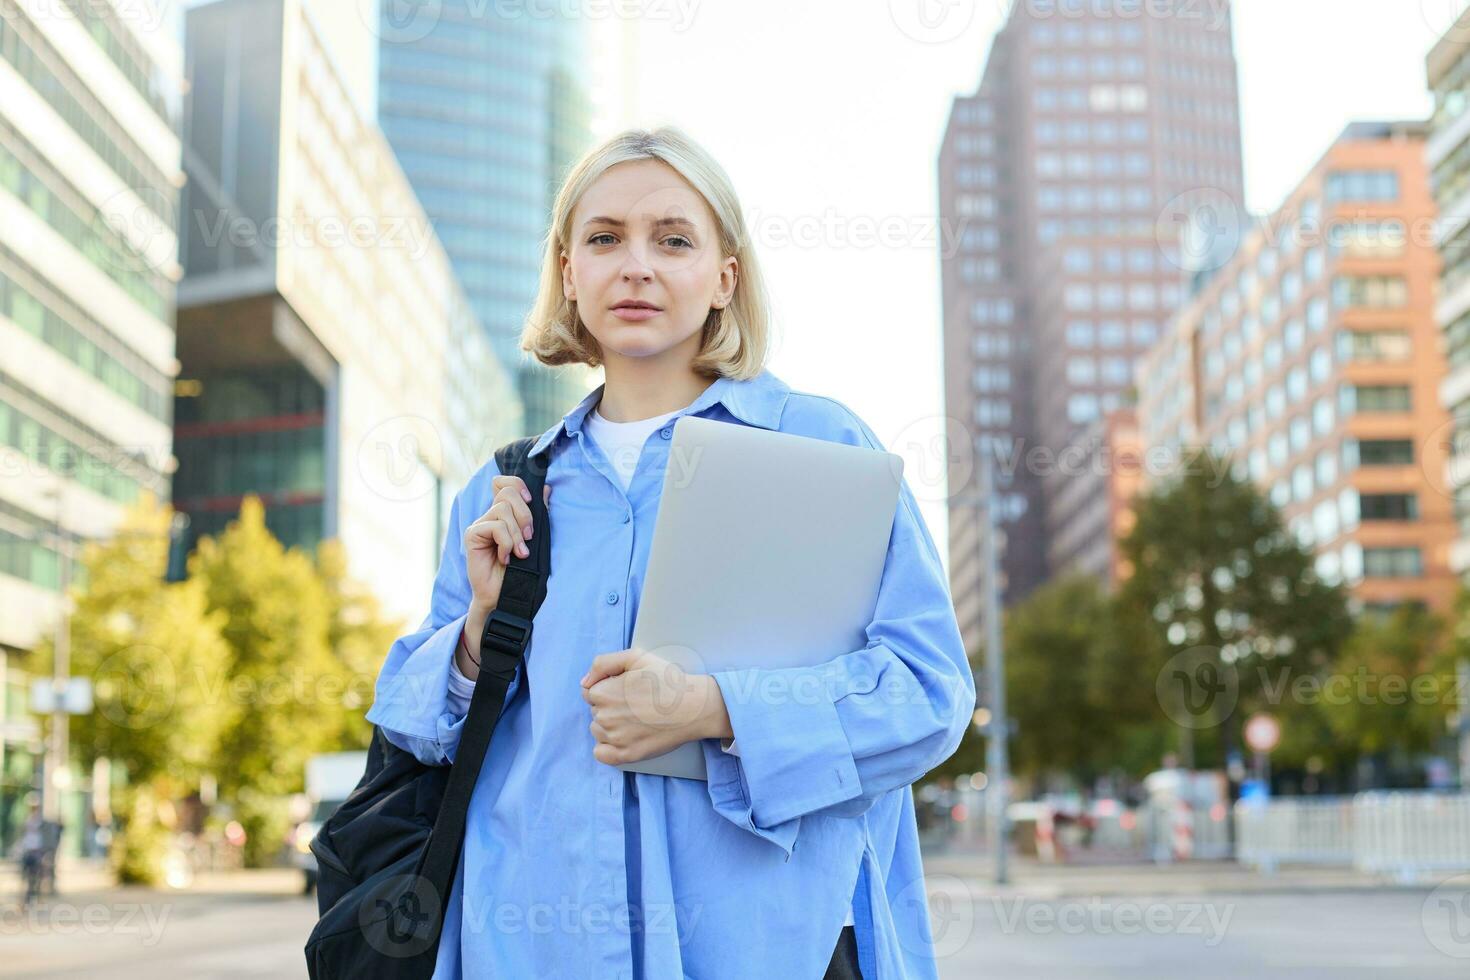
point(795, 757)
point(730, 797)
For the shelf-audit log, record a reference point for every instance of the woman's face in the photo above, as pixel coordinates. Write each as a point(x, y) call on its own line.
point(641, 234)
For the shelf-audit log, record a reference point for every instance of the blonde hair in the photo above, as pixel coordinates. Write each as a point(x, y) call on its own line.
point(733, 340)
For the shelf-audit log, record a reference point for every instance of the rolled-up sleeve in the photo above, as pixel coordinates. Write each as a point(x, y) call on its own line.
point(836, 736)
point(412, 702)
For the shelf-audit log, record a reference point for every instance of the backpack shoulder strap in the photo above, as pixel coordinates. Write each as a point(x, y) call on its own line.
point(503, 645)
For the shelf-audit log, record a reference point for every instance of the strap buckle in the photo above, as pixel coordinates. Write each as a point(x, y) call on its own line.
point(506, 635)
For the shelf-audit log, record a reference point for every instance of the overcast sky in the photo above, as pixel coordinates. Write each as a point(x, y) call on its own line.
point(829, 116)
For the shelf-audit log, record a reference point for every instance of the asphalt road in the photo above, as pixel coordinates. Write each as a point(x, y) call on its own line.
point(1368, 934)
point(1377, 933)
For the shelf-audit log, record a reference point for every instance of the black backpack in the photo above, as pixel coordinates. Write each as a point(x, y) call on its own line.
point(388, 855)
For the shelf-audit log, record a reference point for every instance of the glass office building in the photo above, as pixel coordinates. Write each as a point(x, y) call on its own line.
point(485, 109)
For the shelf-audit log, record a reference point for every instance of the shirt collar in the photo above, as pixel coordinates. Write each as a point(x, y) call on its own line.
point(757, 401)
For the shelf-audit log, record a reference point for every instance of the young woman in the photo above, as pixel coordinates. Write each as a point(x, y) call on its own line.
point(799, 856)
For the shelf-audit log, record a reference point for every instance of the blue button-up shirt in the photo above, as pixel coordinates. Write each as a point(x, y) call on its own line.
point(573, 868)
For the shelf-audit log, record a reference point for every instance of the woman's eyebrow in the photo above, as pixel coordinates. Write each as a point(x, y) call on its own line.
point(659, 223)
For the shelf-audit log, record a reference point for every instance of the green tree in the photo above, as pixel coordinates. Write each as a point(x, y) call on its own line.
point(359, 637)
point(1394, 687)
point(280, 692)
point(1218, 578)
point(149, 647)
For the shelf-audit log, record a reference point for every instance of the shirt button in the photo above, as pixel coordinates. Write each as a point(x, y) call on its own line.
point(612, 598)
point(666, 433)
point(627, 518)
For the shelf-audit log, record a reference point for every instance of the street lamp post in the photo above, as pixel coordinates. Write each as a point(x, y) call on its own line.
point(997, 756)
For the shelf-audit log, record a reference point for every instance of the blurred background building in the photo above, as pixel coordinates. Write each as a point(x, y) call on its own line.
point(1313, 359)
point(1448, 158)
point(89, 183)
point(486, 110)
point(1086, 128)
point(319, 316)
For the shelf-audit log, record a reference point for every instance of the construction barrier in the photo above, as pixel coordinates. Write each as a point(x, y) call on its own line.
point(1405, 834)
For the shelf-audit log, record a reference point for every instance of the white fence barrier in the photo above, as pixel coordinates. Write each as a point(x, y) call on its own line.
point(1403, 834)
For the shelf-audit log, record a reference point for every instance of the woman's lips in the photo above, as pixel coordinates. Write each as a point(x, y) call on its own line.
point(635, 313)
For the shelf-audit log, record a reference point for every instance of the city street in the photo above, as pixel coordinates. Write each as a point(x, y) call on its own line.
point(1265, 935)
point(1200, 921)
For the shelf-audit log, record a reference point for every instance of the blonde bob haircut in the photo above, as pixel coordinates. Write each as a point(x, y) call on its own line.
point(733, 340)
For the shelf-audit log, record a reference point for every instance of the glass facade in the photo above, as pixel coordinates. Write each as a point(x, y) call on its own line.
point(485, 113)
point(260, 432)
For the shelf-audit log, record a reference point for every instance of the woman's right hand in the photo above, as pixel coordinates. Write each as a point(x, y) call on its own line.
point(489, 542)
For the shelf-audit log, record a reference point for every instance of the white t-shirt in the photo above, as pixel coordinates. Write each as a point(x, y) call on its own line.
point(622, 444)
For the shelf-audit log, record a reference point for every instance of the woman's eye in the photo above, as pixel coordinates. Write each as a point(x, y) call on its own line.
point(680, 238)
point(594, 239)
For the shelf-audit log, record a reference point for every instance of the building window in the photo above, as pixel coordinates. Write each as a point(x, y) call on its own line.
point(1362, 185)
point(1374, 345)
point(1374, 398)
point(1082, 408)
point(1326, 466)
point(1367, 239)
point(1377, 292)
point(1392, 562)
point(1389, 507)
point(1081, 370)
point(1384, 452)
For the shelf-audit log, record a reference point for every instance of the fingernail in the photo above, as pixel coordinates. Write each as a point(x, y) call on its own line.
point(526, 493)
point(521, 549)
point(526, 530)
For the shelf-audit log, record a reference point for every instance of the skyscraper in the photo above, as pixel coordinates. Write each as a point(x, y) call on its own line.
point(485, 106)
point(1097, 133)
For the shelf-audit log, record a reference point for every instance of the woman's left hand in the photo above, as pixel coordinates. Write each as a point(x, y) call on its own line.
point(644, 705)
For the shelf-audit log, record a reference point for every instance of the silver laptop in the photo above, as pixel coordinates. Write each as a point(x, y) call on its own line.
point(767, 552)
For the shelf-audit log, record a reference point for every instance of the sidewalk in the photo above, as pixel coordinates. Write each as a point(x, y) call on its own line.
point(1031, 878)
point(78, 879)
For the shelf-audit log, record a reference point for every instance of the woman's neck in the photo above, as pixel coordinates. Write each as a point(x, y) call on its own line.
point(643, 395)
